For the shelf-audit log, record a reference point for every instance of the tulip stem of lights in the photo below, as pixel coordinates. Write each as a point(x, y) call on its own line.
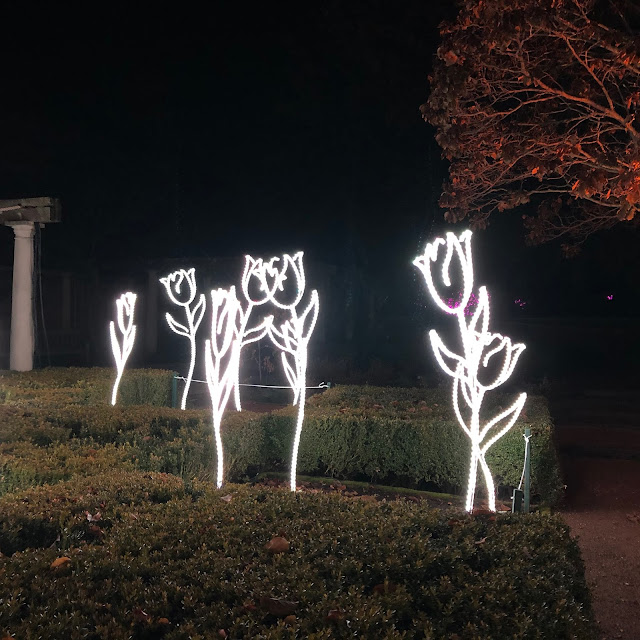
point(481, 350)
point(220, 358)
point(173, 286)
point(292, 337)
point(125, 305)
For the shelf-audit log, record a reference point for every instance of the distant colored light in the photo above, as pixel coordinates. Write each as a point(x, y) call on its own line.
point(610, 296)
point(521, 303)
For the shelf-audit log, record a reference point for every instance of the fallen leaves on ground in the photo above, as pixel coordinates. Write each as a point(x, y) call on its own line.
point(277, 545)
point(278, 606)
point(60, 562)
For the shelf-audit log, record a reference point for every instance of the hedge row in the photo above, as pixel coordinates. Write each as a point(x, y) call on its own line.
point(59, 387)
point(143, 555)
point(387, 433)
point(354, 433)
point(45, 446)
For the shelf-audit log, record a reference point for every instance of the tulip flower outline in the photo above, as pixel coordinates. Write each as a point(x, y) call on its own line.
point(125, 307)
point(292, 338)
point(295, 265)
point(266, 274)
point(480, 348)
point(461, 247)
point(173, 286)
point(221, 364)
point(271, 278)
point(225, 310)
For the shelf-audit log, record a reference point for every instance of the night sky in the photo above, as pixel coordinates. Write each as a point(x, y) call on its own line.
point(189, 134)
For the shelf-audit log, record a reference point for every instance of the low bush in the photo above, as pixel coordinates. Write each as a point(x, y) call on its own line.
point(411, 435)
point(404, 436)
point(40, 446)
point(59, 387)
point(138, 555)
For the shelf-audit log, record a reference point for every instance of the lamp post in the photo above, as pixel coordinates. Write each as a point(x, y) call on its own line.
point(22, 215)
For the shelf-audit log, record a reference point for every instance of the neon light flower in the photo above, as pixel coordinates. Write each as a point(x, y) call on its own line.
point(487, 359)
point(221, 364)
point(184, 297)
point(264, 282)
point(125, 305)
point(293, 339)
point(259, 281)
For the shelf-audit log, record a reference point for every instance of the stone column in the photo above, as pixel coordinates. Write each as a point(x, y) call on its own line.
point(22, 338)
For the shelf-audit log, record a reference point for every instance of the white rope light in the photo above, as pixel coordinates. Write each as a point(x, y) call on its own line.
point(293, 339)
point(125, 305)
point(480, 349)
point(293, 335)
point(184, 297)
point(266, 276)
point(220, 360)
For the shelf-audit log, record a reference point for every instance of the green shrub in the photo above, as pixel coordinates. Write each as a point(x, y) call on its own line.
point(44, 446)
point(149, 557)
point(61, 386)
point(394, 434)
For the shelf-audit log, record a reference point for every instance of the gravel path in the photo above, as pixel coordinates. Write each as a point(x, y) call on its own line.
point(599, 442)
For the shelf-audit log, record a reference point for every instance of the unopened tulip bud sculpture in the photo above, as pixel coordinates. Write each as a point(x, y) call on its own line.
point(184, 296)
point(264, 282)
point(125, 305)
point(227, 322)
point(483, 352)
point(259, 281)
point(292, 337)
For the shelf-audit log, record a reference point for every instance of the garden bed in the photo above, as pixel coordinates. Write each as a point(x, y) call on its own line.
point(142, 555)
point(396, 436)
point(111, 528)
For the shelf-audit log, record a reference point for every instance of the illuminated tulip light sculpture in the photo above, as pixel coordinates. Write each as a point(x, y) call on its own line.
point(184, 297)
point(483, 352)
point(220, 361)
point(292, 336)
point(125, 305)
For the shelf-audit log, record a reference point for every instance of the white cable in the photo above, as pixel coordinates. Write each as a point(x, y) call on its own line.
point(322, 385)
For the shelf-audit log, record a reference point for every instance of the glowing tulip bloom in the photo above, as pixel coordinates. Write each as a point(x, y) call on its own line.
point(487, 359)
point(184, 296)
point(125, 306)
point(220, 361)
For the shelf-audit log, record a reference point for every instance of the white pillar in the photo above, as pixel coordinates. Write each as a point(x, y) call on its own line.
point(22, 339)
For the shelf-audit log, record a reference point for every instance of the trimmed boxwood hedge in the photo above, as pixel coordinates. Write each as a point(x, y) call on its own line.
point(411, 436)
point(133, 555)
point(43, 446)
point(401, 436)
point(61, 386)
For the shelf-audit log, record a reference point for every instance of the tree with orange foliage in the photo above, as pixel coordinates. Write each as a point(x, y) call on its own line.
point(538, 101)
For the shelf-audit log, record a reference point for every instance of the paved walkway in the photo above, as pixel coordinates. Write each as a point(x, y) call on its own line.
point(599, 441)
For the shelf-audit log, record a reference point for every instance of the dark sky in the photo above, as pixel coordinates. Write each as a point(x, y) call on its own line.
point(222, 132)
point(182, 134)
